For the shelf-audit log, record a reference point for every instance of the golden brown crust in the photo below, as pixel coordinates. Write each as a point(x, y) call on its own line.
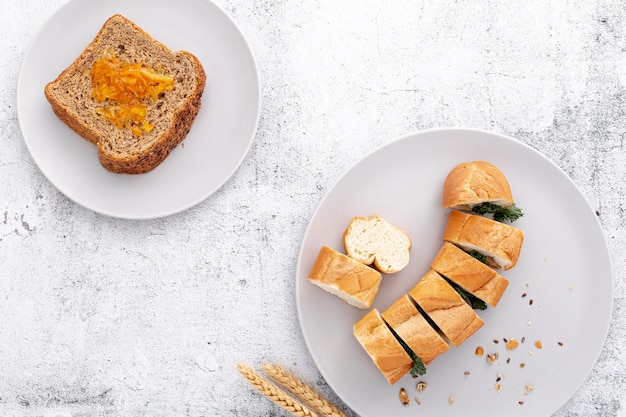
point(470, 273)
point(409, 324)
point(68, 108)
point(382, 347)
point(454, 317)
point(345, 277)
point(472, 183)
point(501, 242)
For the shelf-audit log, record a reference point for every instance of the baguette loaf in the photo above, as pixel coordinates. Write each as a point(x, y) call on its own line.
point(445, 307)
point(409, 324)
point(472, 183)
point(372, 240)
point(348, 279)
point(470, 273)
point(382, 346)
point(499, 242)
point(130, 95)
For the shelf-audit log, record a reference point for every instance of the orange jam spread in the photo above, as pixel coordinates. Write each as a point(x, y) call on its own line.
point(124, 88)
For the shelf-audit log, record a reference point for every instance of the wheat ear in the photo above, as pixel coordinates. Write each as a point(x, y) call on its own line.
point(305, 393)
point(274, 393)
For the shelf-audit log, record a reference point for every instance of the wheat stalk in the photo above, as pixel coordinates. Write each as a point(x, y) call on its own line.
point(274, 393)
point(306, 394)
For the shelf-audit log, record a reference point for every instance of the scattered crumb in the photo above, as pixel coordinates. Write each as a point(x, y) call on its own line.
point(538, 344)
point(466, 373)
point(421, 386)
point(451, 400)
point(479, 351)
point(498, 387)
point(512, 344)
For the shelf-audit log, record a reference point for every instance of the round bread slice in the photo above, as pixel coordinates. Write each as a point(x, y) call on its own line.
point(381, 345)
point(499, 242)
point(473, 183)
point(348, 279)
point(372, 240)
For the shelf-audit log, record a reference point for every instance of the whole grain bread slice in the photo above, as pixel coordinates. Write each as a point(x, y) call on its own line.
point(172, 114)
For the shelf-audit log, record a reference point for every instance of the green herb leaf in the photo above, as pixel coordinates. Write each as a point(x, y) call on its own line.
point(418, 366)
point(480, 256)
point(475, 302)
point(500, 214)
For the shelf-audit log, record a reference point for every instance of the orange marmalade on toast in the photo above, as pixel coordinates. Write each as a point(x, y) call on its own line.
point(124, 88)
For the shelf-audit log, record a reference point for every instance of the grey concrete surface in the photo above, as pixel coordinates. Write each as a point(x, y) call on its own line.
point(105, 317)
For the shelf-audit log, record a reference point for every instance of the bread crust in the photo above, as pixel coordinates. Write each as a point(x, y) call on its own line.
point(470, 273)
point(155, 153)
point(472, 183)
point(409, 324)
point(454, 317)
point(381, 345)
point(500, 242)
point(350, 280)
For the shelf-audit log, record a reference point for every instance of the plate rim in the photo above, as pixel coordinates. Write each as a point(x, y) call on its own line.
point(156, 214)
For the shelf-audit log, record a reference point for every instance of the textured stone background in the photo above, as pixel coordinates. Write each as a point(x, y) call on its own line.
point(143, 318)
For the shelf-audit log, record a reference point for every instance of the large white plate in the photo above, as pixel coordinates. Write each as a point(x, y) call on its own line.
point(220, 136)
point(564, 269)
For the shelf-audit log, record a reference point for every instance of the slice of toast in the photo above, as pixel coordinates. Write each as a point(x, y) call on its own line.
point(169, 114)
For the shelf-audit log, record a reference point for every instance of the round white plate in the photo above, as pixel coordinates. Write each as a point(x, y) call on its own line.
point(564, 269)
point(220, 136)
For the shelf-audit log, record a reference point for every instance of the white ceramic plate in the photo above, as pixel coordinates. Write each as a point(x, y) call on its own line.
point(564, 269)
point(220, 136)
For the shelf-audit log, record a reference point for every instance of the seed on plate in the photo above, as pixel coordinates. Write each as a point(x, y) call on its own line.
point(421, 386)
point(498, 387)
point(451, 400)
point(492, 357)
point(404, 397)
point(522, 365)
point(466, 373)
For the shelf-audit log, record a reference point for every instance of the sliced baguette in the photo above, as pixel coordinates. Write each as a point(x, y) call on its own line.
point(445, 307)
point(470, 273)
point(473, 183)
point(382, 347)
point(372, 240)
point(409, 324)
point(499, 242)
point(348, 279)
point(172, 114)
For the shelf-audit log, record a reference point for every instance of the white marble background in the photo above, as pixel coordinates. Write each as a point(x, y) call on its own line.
point(103, 317)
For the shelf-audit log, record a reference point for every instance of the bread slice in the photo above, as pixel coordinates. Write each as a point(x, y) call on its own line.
point(372, 240)
point(348, 279)
point(500, 243)
point(122, 148)
point(381, 345)
point(469, 273)
point(409, 324)
point(445, 307)
point(472, 183)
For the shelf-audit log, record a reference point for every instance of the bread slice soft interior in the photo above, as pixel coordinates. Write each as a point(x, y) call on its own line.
point(472, 183)
point(471, 274)
point(409, 324)
point(171, 115)
point(499, 242)
point(445, 307)
point(382, 346)
point(372, 240)
point(355, 283)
